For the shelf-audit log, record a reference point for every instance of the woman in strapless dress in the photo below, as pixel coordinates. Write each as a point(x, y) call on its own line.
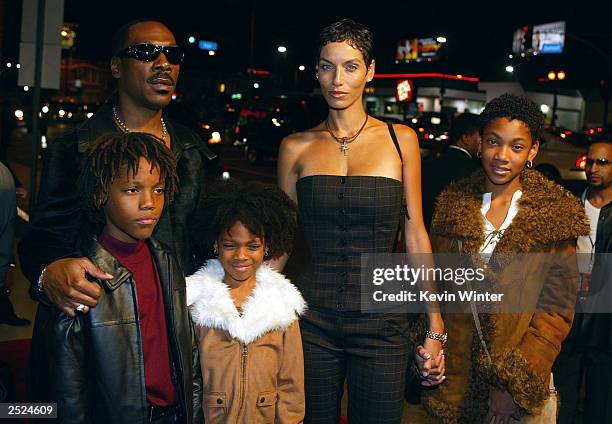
point(348, 175)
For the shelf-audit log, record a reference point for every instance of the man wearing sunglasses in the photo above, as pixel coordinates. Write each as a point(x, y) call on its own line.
point(588, 349)
point(145, 64)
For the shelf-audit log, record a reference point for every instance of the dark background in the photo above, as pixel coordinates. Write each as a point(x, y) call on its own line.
point(479, 34)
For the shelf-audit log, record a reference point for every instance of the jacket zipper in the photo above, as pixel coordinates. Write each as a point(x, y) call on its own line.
point(243, 359)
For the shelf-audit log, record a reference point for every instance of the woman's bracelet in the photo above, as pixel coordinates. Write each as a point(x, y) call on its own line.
point(436, 336)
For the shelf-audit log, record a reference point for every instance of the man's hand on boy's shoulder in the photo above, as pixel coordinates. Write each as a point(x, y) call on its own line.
point(65, 283)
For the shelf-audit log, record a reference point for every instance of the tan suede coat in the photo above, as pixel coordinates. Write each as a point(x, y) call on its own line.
point(252, 364)
point(541, 285)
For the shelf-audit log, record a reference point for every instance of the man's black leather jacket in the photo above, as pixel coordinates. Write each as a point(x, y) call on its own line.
point(93, 366)
point(594, 330)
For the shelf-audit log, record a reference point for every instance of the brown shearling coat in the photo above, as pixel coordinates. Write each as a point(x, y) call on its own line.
point(252, 363)
point(524, 344)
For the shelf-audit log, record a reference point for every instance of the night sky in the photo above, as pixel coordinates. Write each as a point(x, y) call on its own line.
point(479, 34)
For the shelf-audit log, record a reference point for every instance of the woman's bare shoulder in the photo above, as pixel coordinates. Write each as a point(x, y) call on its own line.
point(404, 132)
point(302, 139)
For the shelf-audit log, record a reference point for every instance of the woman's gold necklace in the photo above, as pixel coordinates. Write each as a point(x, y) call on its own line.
point(344, 141)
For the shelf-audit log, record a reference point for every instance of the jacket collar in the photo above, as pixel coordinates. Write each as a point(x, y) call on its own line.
point(461, 149)
point(273, 306)
point(547, 213)
point(102, 122)
point(108, 263)
point(584, 195)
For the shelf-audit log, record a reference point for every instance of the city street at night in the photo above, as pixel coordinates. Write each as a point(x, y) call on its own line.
point(290, 146)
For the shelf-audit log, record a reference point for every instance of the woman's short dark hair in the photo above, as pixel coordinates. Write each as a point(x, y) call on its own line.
point(113, 153)
point(348, 31)
point(513, 107)
point(264, 209)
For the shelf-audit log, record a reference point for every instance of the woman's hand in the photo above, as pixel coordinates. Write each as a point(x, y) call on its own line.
point(430, 366)
point(501, 407)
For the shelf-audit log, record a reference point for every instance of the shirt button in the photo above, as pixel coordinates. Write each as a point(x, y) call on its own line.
point(342, 180)
point(262, 400)
point(340, 195)
point(338, 305)
point(219, 401)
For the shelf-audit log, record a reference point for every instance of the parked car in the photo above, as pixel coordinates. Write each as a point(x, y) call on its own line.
point(561, 158)
point(265, 121)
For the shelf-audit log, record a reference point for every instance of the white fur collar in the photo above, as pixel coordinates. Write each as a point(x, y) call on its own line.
point(274, 304)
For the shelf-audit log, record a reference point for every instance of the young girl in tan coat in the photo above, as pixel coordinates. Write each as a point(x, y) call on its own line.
point(521, 229)
point(245, 312)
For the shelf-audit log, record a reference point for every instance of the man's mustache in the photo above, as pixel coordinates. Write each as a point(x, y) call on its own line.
point(162, 78)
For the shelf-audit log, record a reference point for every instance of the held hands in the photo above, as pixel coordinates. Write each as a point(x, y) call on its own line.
point(66, 286)
point(501, 407)
point(429, 362)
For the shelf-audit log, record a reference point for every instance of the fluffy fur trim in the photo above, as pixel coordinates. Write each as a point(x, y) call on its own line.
point(273, 306)
point(511, 371)
point(547, 213)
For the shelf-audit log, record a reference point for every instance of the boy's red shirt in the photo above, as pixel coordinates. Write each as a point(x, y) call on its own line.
point(137, 258)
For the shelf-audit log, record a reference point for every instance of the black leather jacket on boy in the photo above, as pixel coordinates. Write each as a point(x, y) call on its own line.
point(93, 365)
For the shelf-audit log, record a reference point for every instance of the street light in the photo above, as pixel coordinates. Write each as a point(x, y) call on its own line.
point(509, 69)
point(191, 39)
point(282, 49)
point(441, 40)
point(302, 68)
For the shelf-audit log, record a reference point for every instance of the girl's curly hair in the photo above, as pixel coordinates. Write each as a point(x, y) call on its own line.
point(264, 209)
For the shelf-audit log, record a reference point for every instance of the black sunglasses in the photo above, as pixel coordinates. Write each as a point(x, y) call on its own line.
point(149, 52)
point(599, 161)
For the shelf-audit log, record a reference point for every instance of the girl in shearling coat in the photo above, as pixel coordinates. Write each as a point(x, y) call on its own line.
point(245, 312)
point(522, 229)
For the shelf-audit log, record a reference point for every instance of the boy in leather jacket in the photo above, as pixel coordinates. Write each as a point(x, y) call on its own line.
point(132, 358)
